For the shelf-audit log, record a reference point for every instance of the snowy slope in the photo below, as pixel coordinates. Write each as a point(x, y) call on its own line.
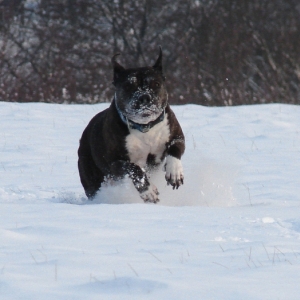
point(231, 232)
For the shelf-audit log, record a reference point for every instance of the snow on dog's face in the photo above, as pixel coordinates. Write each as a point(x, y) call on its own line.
point(140, 93)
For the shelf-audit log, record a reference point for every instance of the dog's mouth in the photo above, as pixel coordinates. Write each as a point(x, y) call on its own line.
point(144, 107)
point(147, 111)
point(144, 114)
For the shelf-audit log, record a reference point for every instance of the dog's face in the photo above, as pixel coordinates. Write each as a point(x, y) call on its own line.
point(140, 93)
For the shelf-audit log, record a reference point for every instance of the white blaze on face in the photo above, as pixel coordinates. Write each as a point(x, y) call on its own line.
point(132, 79)
point(139, 145)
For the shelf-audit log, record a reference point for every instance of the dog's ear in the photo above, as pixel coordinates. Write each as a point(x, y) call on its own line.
point(158, 64)
point(117, 67)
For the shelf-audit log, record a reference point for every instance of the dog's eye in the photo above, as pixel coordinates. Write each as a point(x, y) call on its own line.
point(156, 84)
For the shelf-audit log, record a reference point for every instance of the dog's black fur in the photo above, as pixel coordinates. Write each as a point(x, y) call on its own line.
point(134, 135)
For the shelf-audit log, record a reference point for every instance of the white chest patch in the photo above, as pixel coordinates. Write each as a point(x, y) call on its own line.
point(140, 145)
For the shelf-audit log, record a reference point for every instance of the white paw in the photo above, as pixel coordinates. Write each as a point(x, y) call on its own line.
point(174, 172)
point(151, 194)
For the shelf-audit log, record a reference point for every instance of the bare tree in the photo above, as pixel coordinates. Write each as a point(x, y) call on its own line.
point(227, 52)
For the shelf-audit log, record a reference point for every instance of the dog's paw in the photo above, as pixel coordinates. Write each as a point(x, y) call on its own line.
point(174, 172)
point(151, 194)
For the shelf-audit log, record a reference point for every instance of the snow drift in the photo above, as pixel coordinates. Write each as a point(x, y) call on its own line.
point(232, 231)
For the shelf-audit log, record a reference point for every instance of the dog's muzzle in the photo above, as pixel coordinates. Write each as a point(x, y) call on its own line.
point(144, 99)
point(140, 127)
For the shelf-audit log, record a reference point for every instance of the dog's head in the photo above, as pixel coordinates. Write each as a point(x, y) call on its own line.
point(140, 93)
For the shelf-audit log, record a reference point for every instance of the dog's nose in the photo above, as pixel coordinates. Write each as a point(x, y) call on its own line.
point(144, 99)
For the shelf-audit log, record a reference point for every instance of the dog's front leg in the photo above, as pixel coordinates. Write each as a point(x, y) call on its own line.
point(148, 192)
point(173, 166)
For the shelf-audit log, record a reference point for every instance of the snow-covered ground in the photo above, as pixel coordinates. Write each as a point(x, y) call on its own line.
point(231, 232)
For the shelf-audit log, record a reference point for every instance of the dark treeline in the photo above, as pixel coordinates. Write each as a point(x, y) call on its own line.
point(216, 52)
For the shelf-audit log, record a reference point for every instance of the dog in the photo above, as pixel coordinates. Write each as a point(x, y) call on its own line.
point(134, 136)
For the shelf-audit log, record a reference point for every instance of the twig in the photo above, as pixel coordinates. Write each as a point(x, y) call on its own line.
point(194, 142)
point(220, 265)
point(246, 186)
point(45, 256)
point(279, 251)
point(221, 248)
point(33, 257)
point(134, 271)
point(266, 252)
point(250, 254)
point(154, 256)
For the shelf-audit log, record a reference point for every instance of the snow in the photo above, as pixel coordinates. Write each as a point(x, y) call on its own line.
point(232, 231)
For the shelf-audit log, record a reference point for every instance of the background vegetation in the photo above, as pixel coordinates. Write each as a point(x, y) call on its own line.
point(216, 52)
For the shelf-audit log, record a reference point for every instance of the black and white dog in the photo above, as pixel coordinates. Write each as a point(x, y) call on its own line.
point(135, 135)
